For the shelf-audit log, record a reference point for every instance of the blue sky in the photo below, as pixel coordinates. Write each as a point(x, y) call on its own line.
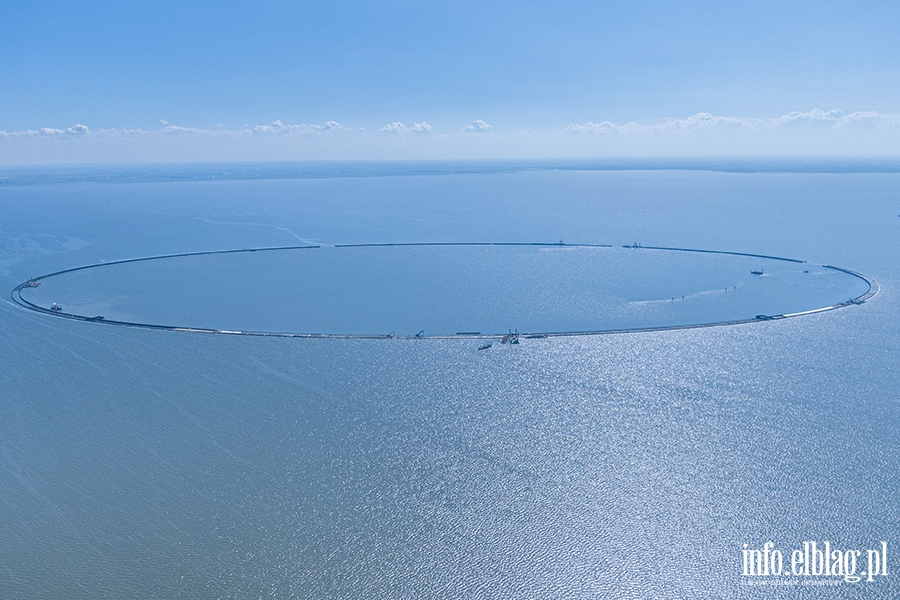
point(116, 80)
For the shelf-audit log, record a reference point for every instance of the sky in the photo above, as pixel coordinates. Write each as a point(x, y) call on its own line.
point(110, 81)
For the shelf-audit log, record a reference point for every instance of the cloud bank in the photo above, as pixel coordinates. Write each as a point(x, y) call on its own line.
point(703, 121)
point(302, 129)
point(799, 133)
point(276, 127)
point(707, 121)
point(48, 131)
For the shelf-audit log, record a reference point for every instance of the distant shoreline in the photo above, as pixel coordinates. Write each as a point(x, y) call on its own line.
point(61, 174)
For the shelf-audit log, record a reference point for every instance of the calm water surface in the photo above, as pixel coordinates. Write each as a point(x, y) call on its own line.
point(137, 463)
point(441, 290)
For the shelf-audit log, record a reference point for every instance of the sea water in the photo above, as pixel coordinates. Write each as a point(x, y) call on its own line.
point(140, 463)
point(427, 290)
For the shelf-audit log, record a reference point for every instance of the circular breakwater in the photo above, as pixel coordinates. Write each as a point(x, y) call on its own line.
point(442, 290)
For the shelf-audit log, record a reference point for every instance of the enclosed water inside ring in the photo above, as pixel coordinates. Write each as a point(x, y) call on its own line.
point(440, 290)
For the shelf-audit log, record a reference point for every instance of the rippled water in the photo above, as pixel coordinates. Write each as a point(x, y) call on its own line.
point(137, 463)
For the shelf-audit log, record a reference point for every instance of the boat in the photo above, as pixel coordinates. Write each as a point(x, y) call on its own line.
point(486, 346)
point(55, 307)
point(510, 338)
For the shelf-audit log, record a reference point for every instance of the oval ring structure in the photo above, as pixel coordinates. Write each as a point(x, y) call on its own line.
point(442, 290)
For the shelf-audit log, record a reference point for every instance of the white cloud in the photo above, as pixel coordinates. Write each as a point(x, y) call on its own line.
point(701, 121)
point(698, 121)
point(799, 132)
point(398, 127)
point(708, 121)
point(477, 126)
point(274, 127)
point(814, 115)
point(816, 118)
point(163, 122)
point(303, 128)
point(603, 127)
point(176, 129)
point(50, 131)
point(869, 118)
